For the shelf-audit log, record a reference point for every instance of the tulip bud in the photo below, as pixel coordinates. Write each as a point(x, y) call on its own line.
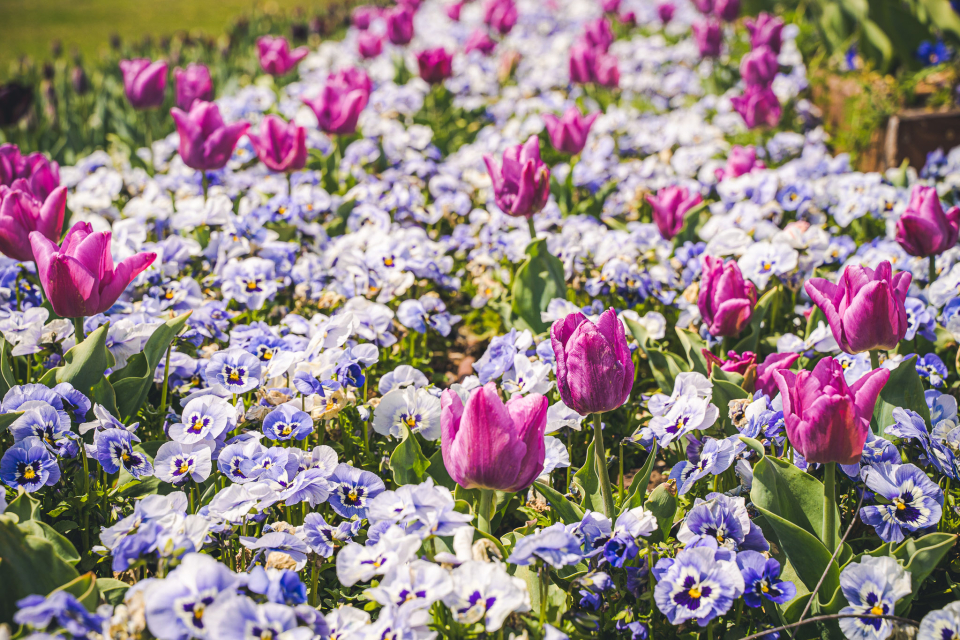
point(569, 133)
point(436, 65)
point(399, 25)
point(206, 143)
point(192, 84)
point(144, 82)
point(276, 58)
point(500, 15)
point(665, 12)
point(282, 146)
point(766, 30)
point(708, 37)
point(727, 10)
point(369, 45)
point(670, 206)
point(480, 41)
point(22, 212)
point(924, 229)
point(726, 302)
point(759, 67)
point(521, 185)
point(758, 106)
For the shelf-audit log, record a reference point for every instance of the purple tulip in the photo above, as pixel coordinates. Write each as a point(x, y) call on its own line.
point(41, 174)
point(192, 84)
point(704, 6)
point(363, 16)
point(670, 206)
point(480, 41)
point(592, 65)
point(500, 15)
point(594, 367)
point(610, 6)
point(759, 67)
point(338, 108)
point(206, 143)
point(521, 185)
point(352, 79)
point(22, 212)
point(569, 133)
point(773, 363)
point(765, 31)
point(491, 445)
point(727, 10)
point(399, 25)
point(282, 146)
point(735, 362)
point(709, 38)
point(436, 65)
point(453, 11)
point(741, 161)
point(598, 34)
point(865, 310)
point(369, 45)
point(924, 229)
point(826, 419)
point(665, 12)
point(144, 82)
point(726, 301)
point(758, 106)
point(79, 277)
point(276, 58)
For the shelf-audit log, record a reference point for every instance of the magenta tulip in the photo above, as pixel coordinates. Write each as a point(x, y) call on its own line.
point(338, 108)
point(435, 65)
point(758, 106)
point(598, 34)
point(865, 309)
point(727, 10)
point(665, 12)
point(709, 38)
point(362, 16)
point(352, 79)
point(826, 419)
point(726, 301)
point(453, 11)
point(500, 15)
point(588, 64)
point(704, 6)
point(144, 82)
point(79, 277)
point(735, 362)
point(192, 84)
point(521, 184)
point(924, 229)
point(759, 67)
point(276, 58)
point(22, 213)
point(670, 207)
point(480, 41)
point(41, 174)
point(399, 25)
point(569, 133)
point(741, 161)
point(595, 370)
point(491, 445)
point(282, 146)
point(773, 363)
point(610, 6)
point(765, 31)
point(369, 45)
point(206, 143)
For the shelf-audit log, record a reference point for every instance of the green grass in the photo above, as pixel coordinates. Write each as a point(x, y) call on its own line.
point(29, 26)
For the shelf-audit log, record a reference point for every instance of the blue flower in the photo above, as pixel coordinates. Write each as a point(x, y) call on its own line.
point(876, 450)
point(714, 458)
point(932, 368)
point(724, 520)
point(943, 624)
point(235, 370)
point(353, 490)
point(285, 423)
point(761, 580)
point(915, 501)
point(48, 424)
point(594, 530)
point(115, 450)
point(498, 358)
point(282, 586)
point(554, 545)
point(322, 537)
point(309, 385)
point(699, 584)
point(872, 586)
point(29, 465)
point(60, 607)
point(911, 426)
point(933, 53)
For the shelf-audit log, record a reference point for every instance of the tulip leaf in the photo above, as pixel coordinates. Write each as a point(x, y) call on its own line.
point(25, 506)
point(8, 419)
point(132, 383)
point(903, 389)
point(587, 480)
point(539, 280)
point(64, 548)
point(638, 485)
point(7, 379)
point(84, 587)
point(920, 557)
point(693, 346)
point(789, 493)
point(663, 505)
point(112, 590)
point(407, 461)
point(664, 365)
point(566, 510)
point(437, 470)
point(749, 343)
point(83, 365)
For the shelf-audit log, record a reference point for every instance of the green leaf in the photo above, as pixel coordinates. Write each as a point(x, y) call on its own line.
point(723, 393)
point(539, 280)
point(84, 587)
point(693, 346)
point(566, 510)
point(638, 485)
point(112, 590)
point(587, 480)
point(84, 364)
point(786, 491)
point(663, 505)
point(556, 601)
point(6, 371)
point(903, 389)
point(920, 557)
point(749, 343)
point(438, 471)
point(65, 550)
point(664, 365)
point(132, 382)
point(8, 419)
point(407, 461)
point(25, 506)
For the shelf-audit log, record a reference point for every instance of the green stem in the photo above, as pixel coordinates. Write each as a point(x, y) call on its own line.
point(86, 491)
point(205, 182)
point(289, 184)
point(533, 229)
point(605, 489)
point(78, 329)
point(829, 531)
point(483, 513)
point(933, 270)
point(544, 591)
point(874, 359)
point(163, 391)
point(314, 579)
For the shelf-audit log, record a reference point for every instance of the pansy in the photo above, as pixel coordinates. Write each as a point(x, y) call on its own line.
point(724, 520)
point(410, 408)
point(415, 585)
point(114, 450)
point(485, 592)
point(761, 578)
point(238, 616)
point(178, 463)
point(235, 370)
point(282, 586)
point(698, 585)
point(206, 417)
point(914, 501)
point(553, 545)
point(323, 537)
point(714, 457)
point(688, 413)
point(43, 421)
point(872, 586)
point(29, 465)
point(359, 563)
point(286, 423)
point(942, 624)
point(352, 490)
point(60, 607)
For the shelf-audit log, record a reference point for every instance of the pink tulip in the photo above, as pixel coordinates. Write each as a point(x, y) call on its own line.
point(598, 34)
point(766, 30)
point(610, 6)
point(727, 10)
point(773, 363)
point(453, 11)
point(22, 213)
point(337, 108)
point(435, 65)
point(924, 229)
point(704, 6)
point(500, 15)
point(206, 143)
point(144, 82)
point(369, 45)
point(276, 58)
point(595, 370)
point(79, 277)
point(865, 309)
point(480, 41)
point(826, 419)
point(759, 67)
point(758, 106)
point(726, 301)
point(399, 25)
point(670, 207)
point(735, 362)
point(521, 185)
point(491, 445)
point(363, 16)
point(282, 146)
point(709, 38)
point(569, 133)
point(665, 12)
point(588, 64)
point(741, 161)
point(352, 79)
point(41, 174)
point(192, 84)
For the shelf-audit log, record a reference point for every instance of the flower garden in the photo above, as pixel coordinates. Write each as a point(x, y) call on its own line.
point(491, 319)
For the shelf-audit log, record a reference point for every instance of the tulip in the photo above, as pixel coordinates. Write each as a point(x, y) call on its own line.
point(453, 11)
point(436, 65)
point(15, 101)
point(399, 25)
point(704, 6)
point(924, 230)
point(193, 84)
point(351, 79)
point(206, 143)
point(629, 18)
point(40, 174)
point(670, 206)
point(773, 363)
point(726, 302)
point(759, 67)
point(282, 146)
point(665, 12)
point(369, 45)
point(758, 106)
point(735, 362)
point(727, 10)
point(598, 34)
point(708, 37)
point(22, 212)
point(610, 6)
point(765, 31)
point(276, 58)
point(865, 309)
point(144, 82)
point(79, 277)
point(500, 15)
point(588, 64)
point(606, 71)
point(569, 133)
point(741, 161)
point(480, 41)
point(337, 108)
point(363, 16)
point(521, 185)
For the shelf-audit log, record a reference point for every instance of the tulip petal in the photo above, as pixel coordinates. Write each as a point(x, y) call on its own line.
point(529, 414)
point(70, 287)
point(114, 283)
point(867, 389)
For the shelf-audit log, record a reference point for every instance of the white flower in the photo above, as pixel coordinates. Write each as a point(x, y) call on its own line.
point(527, 377)
point(688, 414)
point(416, 409)
point(359, 563)
point(484, 591)
point(764, 260)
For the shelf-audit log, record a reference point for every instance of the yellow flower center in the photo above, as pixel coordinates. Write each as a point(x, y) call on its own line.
point(29, 473)
point(694, 593)
point(877, 610)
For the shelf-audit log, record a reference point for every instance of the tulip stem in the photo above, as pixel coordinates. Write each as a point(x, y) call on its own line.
point(205, 183)
point(483, 513)
point(874, 359)
point(605, 489)
point(829, 531)
point(78, 329)
point(533, 229)
point(933, 270)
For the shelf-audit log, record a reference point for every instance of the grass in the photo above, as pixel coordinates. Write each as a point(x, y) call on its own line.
point(28, 27)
